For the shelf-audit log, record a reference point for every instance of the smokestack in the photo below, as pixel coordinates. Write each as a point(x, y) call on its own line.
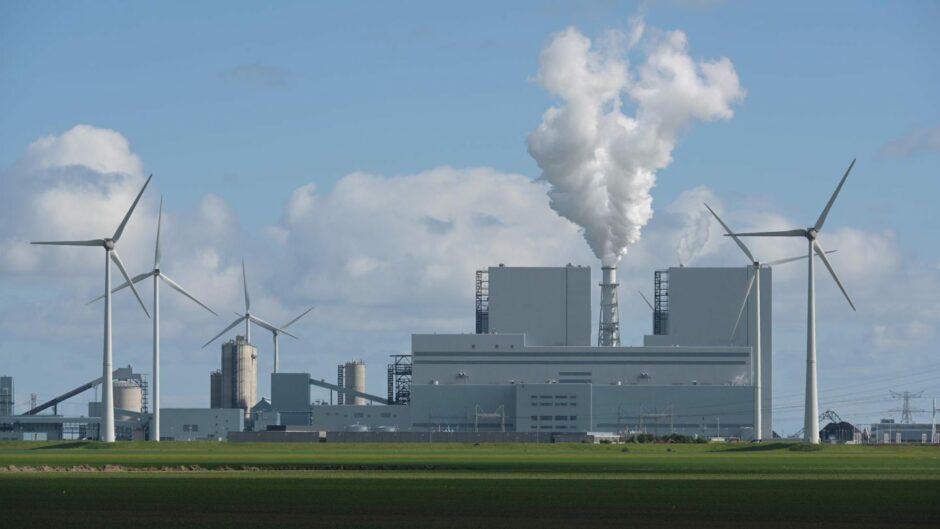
point(608, 331)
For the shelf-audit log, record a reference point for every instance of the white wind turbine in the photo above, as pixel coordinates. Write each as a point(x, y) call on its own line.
point(277, 331)
point(107, 389)
point(250, 318)
point(157, 275)
point(755, 278)
point(811, 416)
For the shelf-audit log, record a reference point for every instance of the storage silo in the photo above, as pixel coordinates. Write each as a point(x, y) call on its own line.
point(215, 389)
point(128, 395)
point(239, 375)
point(354, 376)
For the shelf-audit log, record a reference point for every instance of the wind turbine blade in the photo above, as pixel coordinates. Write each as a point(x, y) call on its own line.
point(181, 290)
point(120, 230)
point(245, 282)
point(747, 293)
point(786, 233)
point(297, 318)
point(268, 326)
point(825, 260)
point(156, 252)
point(731, 234)
point(136, 279)
point(790, 259)
point(117, 260)
point(93, 242)
point(227, 329)
point(650, 305)
point(832, 199)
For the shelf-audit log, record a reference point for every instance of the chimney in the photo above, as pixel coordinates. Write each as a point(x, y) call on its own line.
point(608, 332)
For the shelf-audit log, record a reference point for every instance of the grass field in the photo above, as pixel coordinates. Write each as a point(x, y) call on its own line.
point(490, 485)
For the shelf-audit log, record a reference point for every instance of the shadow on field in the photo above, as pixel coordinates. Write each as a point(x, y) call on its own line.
point(761, 447)
point(62, 446)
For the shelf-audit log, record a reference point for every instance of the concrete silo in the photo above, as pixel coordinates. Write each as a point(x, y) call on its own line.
point(354, 377)
point(128, 395)
point(239, 375)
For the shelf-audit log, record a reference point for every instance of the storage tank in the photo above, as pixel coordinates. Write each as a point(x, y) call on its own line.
point(128, 395)
point(215, 389)
point(239, 375)
point(354, 376)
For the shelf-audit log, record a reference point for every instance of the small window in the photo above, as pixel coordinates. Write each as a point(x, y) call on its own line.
point(574, 417)
point(546, 417)
point(358, 415)
point(535, 417)
point(561, 417)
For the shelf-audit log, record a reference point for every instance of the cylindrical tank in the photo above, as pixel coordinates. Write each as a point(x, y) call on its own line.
point(215, 389)
point(354, 377)
point(128, 395)
point(239, 375)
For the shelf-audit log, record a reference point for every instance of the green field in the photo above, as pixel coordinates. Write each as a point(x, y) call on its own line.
point(463, 485)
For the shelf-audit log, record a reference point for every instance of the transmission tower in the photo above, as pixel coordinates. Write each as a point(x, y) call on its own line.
point(907, 412)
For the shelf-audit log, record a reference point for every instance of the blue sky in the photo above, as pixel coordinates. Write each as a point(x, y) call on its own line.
point(393, 88)
point(250, 102)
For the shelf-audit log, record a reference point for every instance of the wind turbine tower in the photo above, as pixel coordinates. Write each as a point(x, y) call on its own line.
point(811, 412)
point(106, 430)
point(755, 278)
point(158, 276)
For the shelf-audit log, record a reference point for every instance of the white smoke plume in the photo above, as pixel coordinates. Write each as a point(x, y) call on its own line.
point(697, 222)
point(601, 161)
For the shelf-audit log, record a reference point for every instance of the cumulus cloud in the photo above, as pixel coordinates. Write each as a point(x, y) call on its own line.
point(916, 142)
point(599, 158)
point(103, 151)
point(417, 239)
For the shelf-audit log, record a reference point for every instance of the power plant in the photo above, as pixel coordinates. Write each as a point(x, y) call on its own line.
point(526, 369)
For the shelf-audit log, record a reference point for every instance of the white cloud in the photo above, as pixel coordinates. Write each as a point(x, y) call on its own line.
point(101, 150)
point(915, 142)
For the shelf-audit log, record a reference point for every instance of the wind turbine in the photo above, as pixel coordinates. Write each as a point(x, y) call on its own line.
point(811, 418)
point(110, 252)
point(755, 278)
point(250, 318)
point(157, 275)
point(648, 304)
point(277, 331)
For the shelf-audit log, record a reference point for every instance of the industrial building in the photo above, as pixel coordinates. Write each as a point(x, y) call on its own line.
point(530, 365)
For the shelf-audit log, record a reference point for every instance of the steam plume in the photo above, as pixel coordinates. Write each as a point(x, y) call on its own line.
point(600, 161)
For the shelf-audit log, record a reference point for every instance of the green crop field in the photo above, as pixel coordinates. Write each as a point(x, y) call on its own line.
point(462, 485)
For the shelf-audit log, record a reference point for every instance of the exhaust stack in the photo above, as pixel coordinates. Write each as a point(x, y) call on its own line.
point(608, 331)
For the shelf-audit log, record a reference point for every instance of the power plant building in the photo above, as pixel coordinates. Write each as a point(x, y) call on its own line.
point(531, 367)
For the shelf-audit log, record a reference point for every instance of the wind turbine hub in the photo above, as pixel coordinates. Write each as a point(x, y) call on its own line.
point(811, 233)
point(109, 244)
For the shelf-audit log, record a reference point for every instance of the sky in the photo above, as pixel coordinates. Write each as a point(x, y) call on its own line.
point(365, 158)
